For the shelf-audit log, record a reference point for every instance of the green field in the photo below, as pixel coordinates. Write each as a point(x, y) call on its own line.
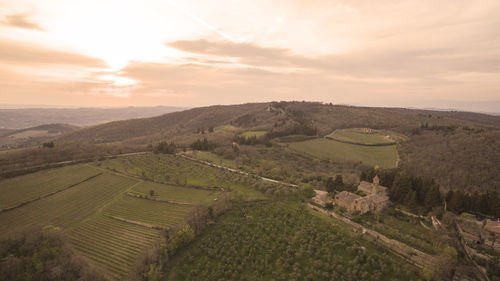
point(359, 136)
point(156, 213)
point(176, 193)
point(66, 208)
point(257, 134)
point(29, 187)
point(113, 244)
point(383, 156)
point(177, 170)
point(277, 241)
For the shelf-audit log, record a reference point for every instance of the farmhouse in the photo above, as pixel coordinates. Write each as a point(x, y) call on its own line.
point(375, 200)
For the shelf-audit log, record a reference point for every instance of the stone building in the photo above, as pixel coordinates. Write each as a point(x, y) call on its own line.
point(375, 198)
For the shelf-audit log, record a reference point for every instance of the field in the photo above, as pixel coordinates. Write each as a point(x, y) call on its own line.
point(214, 158)
point(177, 170)
point(360, 136)
point(113, 244)
point(256, 134)
point(402, 228)
point(282, 241)
point(25, 188)
point(105, 221)
point(383, 156)
point(66, 208)
point(155, 213)
point(176, 193)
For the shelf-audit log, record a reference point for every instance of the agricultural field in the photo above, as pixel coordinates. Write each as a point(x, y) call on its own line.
point(403, 228)
point(154, 213)
point(176, 193)
point(113, 244)
point(214, 158)
point(21, 189)
point(327, 149)
point(249, 134)
point(177, 170)
point(283, 241)
point(66, 208)
point(363, 136)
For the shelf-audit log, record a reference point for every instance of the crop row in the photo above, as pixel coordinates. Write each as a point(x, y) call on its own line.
point(113, 244)
point(147, 211)
point(25, 188)
point(67, 207)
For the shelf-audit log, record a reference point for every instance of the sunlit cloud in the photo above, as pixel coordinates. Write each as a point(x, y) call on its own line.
point(21, 21)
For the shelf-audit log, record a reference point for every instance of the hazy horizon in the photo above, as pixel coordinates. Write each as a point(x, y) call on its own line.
point(413, 54)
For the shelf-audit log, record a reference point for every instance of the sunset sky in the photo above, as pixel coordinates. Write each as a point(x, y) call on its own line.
point(418, 53)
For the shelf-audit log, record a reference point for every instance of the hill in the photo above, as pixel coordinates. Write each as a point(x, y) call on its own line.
point(21, 118)
point(32, 136)
point(458, 149)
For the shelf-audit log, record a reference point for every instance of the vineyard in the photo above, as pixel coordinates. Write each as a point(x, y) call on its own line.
point(30, 187)
point(284, 242)
point(177, 170)
point(113, 244)
point(176, 193)
point(155, 213)
point(65, 208)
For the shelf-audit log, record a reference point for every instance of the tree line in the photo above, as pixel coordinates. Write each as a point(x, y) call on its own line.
point(422, 194)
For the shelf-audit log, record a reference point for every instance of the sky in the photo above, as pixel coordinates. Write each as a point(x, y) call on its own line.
point(417, 53)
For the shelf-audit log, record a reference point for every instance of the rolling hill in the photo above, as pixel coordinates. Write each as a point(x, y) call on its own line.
point(458, 149)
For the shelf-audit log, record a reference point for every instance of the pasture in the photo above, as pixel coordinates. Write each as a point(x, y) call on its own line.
point(383, 156)
point(21, 189)
point(257, 134)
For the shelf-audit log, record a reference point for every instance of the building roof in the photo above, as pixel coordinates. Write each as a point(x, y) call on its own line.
point(346, 195)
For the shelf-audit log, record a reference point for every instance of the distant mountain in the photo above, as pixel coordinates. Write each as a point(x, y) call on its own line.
point(20, 118)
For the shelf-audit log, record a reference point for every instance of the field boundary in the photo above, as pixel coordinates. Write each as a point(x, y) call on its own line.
point(152, 226)
point(48, 194)
point(236, 171)
point(137, 195)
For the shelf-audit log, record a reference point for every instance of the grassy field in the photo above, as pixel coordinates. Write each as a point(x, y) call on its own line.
point(359, 136)
point(176, 193)
point(151, 212)
point(256, 134)
point(177, 170)
point(282, 241)
point(29, 187)
point(66, 208)
point(384, 156)
point(113, 244)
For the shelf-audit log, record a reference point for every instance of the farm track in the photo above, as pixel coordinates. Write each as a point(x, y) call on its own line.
point(237, 171)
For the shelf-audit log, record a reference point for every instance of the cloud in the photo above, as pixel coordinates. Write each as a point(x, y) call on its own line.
point(395, 62)
point(21, 21)
point(21, 53)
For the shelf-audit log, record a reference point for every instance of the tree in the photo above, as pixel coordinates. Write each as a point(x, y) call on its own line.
point(338, 183)
point(330, 185)
point(48, 144)
point(151, 193)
